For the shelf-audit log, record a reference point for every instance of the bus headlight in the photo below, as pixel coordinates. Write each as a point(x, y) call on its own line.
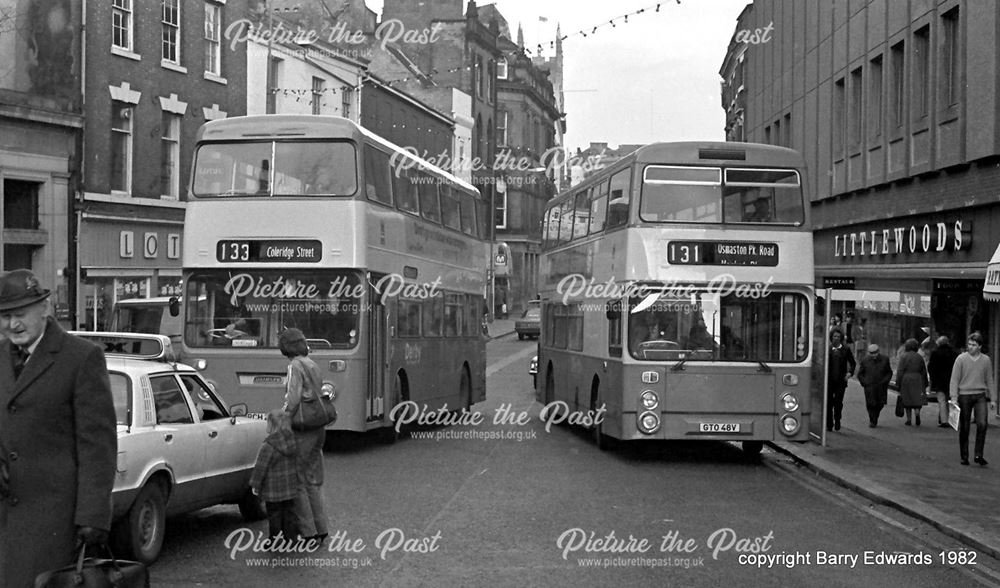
point(789, 424)
point(200, 364)
point(649, 400)
point(649, 422)
point(790, 402)
point(328, 389)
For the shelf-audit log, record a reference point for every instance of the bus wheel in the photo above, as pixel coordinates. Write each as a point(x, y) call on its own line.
point(601, 441)
point(400, 393)
point(550, 386)
point(751, 449)
point(465, 388)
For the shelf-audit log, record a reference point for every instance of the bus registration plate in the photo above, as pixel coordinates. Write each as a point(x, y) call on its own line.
point(718, 427)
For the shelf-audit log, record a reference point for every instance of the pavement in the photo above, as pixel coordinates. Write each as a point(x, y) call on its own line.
point(913, 469)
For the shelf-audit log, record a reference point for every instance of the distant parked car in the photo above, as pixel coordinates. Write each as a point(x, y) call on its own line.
point(530, 323)
point(533, 372)
point(180, 448)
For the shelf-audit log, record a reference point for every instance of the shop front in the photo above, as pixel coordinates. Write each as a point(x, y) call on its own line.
point(125, 258)
point(937, 265)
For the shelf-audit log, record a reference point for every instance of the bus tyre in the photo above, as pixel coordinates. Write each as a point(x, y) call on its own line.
point(399, 394)
point(252, 507)
point(752, 449)
point(601, 441)
point(139, 536)
point(465, 389)
point(520, 336)
point(550, 386)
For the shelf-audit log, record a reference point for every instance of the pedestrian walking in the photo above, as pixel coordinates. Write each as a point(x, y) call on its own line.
point(303, 373)
point(861, 337)
point(911, 377)
point(874, 374)
point(276, 479)
point(973, 387)
point(58, 434)
point(840, 367)
point(939, 371)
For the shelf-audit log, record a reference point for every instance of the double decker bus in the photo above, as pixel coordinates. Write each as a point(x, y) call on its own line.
point(315, 223)
point(677, 297)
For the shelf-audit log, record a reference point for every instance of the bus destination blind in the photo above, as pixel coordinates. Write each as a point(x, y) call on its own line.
point(722, 253)
point(268, 251)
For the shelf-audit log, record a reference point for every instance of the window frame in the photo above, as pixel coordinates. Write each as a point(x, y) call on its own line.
point(213, 38)
point(127, 135)
point(123, 10)
point(171, 123)
point(169, 27)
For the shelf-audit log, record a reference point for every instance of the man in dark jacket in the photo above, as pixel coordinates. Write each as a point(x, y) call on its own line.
point(840, 367)
point(874, 374)
point(939, 371)
point(58, 433)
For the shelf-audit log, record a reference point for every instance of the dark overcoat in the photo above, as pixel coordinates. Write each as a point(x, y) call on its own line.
point(58, 435)
point(911, 377)
point(874, 374)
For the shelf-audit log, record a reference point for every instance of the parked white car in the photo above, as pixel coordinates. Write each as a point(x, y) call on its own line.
point(180, 448)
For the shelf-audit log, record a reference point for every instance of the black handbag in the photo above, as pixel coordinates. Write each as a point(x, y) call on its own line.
point(93, 572)
point(899, 406)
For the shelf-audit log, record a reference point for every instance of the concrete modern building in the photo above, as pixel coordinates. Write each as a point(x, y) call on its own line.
point(894, 107)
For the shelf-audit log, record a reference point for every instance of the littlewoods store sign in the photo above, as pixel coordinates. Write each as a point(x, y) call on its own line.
point(928, 238)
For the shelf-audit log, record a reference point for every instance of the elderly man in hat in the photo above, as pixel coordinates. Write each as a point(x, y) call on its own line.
point(58, 436)
point(874, 374)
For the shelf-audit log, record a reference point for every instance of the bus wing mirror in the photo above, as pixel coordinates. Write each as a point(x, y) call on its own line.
point(174, 305)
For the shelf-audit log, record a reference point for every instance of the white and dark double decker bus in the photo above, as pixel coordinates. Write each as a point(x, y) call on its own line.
point(377, 256)
point(677, 296)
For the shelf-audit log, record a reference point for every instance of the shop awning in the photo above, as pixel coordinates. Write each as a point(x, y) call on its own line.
point(991, 287)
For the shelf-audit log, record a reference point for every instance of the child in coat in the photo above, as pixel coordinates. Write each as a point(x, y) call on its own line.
point(276, 478)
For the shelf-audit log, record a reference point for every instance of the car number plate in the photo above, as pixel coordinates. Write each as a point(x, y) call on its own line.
point(718, 427)
point(260, 416)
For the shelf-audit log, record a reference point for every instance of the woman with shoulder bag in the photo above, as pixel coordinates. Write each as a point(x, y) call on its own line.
point(304, 378)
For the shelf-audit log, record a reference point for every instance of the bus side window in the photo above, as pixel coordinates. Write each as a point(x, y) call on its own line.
point(620, 194)
point(468, 208)
point(450, 215)
point(406, 192)
point(378, 184)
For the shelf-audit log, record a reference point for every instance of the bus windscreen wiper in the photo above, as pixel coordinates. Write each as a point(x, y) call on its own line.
point(763, 366)
point(679, 365)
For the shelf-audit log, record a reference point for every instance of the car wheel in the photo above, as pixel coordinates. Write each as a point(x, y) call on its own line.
point(252, 507)
point(520, 336)
point(141, 532)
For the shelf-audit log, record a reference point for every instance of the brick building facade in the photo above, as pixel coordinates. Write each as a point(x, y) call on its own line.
point(155, 72)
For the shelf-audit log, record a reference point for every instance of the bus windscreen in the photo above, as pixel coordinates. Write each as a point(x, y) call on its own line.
point(250, 308)
point(717, 196)
point(708, 326)
point(275, 168)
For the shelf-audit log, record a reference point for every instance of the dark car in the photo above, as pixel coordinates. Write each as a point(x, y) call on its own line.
point(530, 323)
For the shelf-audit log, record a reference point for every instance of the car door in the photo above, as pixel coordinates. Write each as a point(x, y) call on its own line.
point(181, 439)
point(229, 451)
